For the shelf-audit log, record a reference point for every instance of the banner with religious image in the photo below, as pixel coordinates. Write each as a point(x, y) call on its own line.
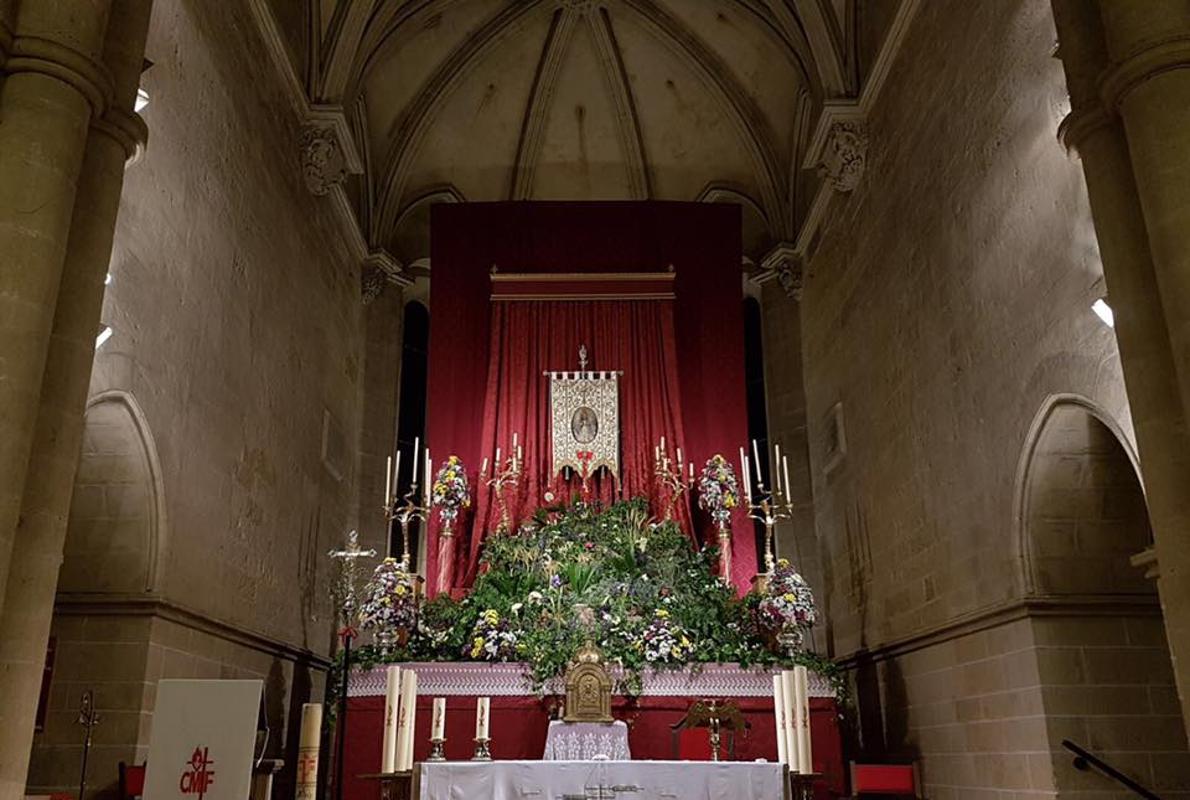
point(585, 421)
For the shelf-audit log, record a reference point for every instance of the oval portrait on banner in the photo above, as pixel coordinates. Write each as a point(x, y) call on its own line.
point(584, 425)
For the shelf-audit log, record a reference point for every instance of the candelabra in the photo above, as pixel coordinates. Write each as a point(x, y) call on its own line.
point(505, 473)
point(669, 475)
point(405, 510)
point(767, 507)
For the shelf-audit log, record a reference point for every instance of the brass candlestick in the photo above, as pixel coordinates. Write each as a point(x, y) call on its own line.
point(769, 508)
point(405, 511)
point(437, 750)
point(483, 751)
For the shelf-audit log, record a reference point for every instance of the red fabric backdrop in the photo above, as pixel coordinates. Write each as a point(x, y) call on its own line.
point(466, 362)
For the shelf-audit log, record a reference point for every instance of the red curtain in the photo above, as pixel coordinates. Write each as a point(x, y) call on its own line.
point(700, 241)
point(530, 338)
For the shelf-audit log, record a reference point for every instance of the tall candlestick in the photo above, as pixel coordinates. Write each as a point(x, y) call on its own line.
point(756, 459)
point(483, 708)
point(307, 761)
point(416, 442)
point(779, 717)
point(392, 714)
point(388, 478)
point(438, 721)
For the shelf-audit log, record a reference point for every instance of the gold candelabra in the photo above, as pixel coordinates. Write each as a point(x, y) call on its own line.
point(405, 510)
point(505, 473)
point(670, 475)
point(768, 507)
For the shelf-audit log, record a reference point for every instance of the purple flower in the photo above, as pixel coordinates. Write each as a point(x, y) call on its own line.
point(556, 581)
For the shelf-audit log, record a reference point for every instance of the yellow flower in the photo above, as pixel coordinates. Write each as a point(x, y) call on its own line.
point(789, 597)
point(783, 563)
point(662, 613)
point(685, 642)
point(400, 592)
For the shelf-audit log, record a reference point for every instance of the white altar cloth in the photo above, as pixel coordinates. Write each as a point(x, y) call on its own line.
point(583, 741)
point(601, 780)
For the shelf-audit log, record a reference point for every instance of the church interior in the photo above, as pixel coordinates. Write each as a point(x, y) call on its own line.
point(594, 398)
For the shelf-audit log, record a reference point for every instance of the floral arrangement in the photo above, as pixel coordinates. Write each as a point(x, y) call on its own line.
point(390, 603)
point(450, 492)
point(635, 588)
point(718, 492)
point(788, 607)
point(492, 638)
point(665, 641)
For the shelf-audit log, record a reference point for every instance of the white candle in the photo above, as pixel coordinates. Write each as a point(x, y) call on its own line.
point(396, 475)
point(801, 679)
point(429, 479)
point(307, 760)
point(785, 470)
point(779, 716)
point(438, 721)
point(756, 461)
point(497, 458)
point(483, 708)
point(692, 472)
point(662, 444)
point(388, 479)
point(514, 441)
point(679, 461)
point(747, 481)
point(405, 721)
point(656, 454)
point(776, 464)
point(519, 453)
point(483, 469)
point(392, 714)
point(416, 442)
point(792, 731)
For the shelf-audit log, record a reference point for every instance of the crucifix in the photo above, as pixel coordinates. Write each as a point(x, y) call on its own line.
point(347, 556)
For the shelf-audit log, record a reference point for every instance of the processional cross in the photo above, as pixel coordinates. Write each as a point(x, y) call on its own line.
point(348, 556)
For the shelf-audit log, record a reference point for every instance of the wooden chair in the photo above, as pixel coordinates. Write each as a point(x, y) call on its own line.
point(901, 780)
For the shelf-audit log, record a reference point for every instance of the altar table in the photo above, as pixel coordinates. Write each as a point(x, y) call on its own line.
point(601, 780)
point(520, 718)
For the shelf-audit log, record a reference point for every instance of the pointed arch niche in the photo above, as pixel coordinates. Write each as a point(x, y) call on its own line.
point(1082, 505)
point(114, 536)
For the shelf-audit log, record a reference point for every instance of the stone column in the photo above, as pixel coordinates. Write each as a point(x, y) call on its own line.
point(57, 434)
point(8, 15)
point(55, 83)
point(1147, 355)
point(1148, 84)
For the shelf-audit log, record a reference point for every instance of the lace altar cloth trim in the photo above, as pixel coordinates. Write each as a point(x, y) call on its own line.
point(511, 680)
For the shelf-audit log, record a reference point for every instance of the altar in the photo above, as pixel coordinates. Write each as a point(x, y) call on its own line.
point(520, 718)
point(604, 780)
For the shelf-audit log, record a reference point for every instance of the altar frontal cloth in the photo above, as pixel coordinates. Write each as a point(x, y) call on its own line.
point(633, 780)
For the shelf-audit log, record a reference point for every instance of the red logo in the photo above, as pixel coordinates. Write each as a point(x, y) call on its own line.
point(198, 776)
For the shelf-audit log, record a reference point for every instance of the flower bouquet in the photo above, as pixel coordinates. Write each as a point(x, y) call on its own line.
point(664, 641)
point(718, 494)
point(492, 639)
point(787, 609)
point(390, 605)
point(450, 493)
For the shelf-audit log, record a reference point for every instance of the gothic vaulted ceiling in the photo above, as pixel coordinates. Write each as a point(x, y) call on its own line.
point(580, 99)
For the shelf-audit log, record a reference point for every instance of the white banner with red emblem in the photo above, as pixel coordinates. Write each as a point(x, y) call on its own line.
point(585, 422)
point(204, 739)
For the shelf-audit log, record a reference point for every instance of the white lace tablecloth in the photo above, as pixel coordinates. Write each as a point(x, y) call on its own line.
point(583, 741)
point(600, 780)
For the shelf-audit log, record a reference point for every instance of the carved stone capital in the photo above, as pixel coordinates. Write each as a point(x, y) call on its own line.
point(378, 271)
point(845, 154)
point(784, 265)
point(324, 163)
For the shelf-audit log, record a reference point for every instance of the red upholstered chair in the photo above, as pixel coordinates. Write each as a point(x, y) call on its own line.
point(886, 779)
point(132, 781)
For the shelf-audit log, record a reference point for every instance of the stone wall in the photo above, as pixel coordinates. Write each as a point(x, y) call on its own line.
point(949, 298)
point(238, 331)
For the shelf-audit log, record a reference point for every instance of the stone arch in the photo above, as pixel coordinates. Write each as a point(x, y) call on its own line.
point(116, 532)
point(1080, 504)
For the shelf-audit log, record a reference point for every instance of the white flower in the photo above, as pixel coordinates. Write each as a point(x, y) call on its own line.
point(516, 607)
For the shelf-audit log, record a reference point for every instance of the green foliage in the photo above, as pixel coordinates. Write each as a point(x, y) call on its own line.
point(581, 573)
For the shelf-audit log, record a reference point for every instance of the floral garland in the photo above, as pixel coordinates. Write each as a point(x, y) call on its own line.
point(390, 599)
point(665, 642)
point(718, 492)
point(788, 607)
point(450, 492)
